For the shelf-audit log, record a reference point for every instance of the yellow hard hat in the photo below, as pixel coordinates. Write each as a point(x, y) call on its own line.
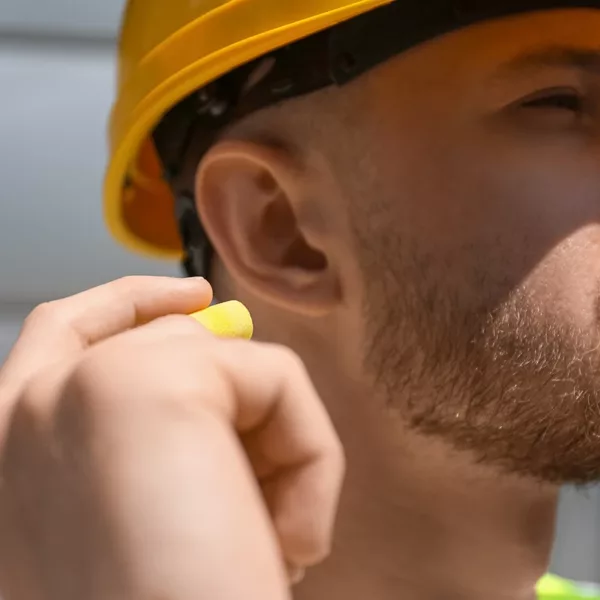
point(172, 54)
point(167, 51)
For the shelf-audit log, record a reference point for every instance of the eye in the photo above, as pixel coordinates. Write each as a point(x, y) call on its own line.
point(568, 100)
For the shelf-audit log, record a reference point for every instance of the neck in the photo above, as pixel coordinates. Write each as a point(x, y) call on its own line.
point(420, 520)
point(417, 521)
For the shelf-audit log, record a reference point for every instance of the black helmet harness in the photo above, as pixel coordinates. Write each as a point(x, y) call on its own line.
point(331, 57)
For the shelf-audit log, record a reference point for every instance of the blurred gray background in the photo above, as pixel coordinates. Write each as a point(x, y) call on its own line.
point(56, 74)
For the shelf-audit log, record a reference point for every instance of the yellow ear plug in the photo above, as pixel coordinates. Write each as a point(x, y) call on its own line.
point(229, 320)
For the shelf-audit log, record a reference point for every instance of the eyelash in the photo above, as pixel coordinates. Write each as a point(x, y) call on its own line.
point(561, 100)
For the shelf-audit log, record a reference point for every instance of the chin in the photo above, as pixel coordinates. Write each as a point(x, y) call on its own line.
point(519, 398)
point(525, 403)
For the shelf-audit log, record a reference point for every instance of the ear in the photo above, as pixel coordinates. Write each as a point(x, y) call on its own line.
point(251, 202)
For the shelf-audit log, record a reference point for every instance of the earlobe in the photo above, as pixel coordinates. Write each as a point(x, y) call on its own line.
point(249, 199)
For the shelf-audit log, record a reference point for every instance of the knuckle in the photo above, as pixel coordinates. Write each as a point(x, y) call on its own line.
point(29, 403)
point(128, 286)
point(305, 546)
point(322, 551)
point(336, 455)
point(45, 312)
point(339, 474)
point(95, 400)
point(333, 459)
point(34, 401)
point(87, 388)
point(115, 381)
point(288, 359)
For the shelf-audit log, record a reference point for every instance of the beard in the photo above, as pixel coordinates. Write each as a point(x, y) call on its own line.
point(481, 366)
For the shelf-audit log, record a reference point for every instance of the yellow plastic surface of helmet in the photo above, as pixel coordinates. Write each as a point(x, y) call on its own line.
point(167, 51)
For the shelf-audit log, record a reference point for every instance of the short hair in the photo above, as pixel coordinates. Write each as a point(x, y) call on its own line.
point(294, 124)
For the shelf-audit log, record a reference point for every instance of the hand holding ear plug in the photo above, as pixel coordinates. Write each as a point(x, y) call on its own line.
point(171, 462)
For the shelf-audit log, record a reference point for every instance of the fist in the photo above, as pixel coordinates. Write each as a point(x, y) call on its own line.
point(141, 457)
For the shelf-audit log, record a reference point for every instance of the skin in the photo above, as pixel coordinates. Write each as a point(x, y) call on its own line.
point(106, 384)
point(425, 240)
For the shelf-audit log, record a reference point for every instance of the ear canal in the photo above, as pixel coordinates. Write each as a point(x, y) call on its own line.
point(280, 223)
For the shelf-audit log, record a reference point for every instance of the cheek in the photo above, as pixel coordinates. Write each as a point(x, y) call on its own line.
point(565, 285)
point(497, 214)
point(539, 210)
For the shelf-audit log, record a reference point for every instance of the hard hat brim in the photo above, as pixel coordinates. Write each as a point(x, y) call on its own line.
point(168, 74)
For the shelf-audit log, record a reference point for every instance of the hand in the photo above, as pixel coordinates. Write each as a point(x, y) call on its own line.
point(143, 458)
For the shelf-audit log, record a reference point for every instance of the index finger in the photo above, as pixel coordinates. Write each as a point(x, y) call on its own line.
point(59, 330)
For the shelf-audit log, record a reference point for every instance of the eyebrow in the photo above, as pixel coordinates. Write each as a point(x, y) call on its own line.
point(583, 59)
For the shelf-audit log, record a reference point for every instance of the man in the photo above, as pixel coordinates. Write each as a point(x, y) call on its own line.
point(407, 195)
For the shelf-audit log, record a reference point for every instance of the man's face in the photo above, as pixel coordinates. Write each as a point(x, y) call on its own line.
point(478, 235)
